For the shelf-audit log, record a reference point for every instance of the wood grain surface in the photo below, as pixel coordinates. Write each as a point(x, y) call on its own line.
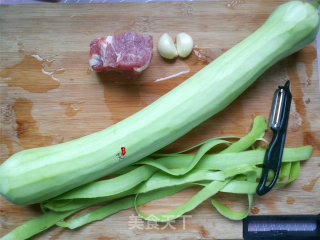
point(49, 96)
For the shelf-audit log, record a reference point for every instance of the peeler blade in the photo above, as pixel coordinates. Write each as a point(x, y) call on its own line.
point(277, 108)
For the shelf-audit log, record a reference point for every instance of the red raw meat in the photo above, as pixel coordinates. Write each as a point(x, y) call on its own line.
point(129, 53)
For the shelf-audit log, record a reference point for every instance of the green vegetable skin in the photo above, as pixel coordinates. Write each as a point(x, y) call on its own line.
point(35, 175)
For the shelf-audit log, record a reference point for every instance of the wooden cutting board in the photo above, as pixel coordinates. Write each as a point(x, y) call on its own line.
point(49, 96)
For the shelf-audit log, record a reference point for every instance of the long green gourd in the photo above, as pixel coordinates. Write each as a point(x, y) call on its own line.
point(35, 175)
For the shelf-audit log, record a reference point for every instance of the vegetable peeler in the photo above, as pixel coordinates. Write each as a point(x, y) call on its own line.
point(278, 123)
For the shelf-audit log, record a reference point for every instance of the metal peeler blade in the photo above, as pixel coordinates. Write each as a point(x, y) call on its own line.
point(278, 123)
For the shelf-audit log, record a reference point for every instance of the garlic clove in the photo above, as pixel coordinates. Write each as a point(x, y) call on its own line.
point(166, 47)
point(184, 44)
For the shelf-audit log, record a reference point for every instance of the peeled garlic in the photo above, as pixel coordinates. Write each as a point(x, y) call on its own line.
point(184, 44)
point(166, 47)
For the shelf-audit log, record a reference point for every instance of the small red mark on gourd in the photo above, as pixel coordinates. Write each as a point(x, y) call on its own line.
point(123, 150)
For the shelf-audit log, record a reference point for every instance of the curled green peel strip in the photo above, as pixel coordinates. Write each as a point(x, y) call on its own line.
point(208, 191)
point(235, 170)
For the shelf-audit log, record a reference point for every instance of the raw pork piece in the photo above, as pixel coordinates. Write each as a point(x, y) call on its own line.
point(129, 53)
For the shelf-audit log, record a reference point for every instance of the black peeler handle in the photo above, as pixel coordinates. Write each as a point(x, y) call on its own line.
point(272, 161)
point(273, 156)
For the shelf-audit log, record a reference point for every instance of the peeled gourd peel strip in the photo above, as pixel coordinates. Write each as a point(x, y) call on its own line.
point(222, 161)
point(251, 177)
point(293, 172)
point(234, 186)
point(158, 181)
point(195, 159)
point(51, 218)
point(285, 170)
point(193, 147)
point(258, 129)
point(103, 188)
point(242, 144)
point(36, 225)
point(228, 213)
point(192, 203)
point(233, 215)
point(254, 157)
point(208, 191)
point(116, 206)
point(79, 203)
